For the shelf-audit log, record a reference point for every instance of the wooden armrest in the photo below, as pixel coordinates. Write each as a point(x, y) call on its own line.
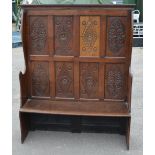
point(23, 88)
point(129, 91)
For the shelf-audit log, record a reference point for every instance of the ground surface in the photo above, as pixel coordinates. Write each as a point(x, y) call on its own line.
point(66, 143)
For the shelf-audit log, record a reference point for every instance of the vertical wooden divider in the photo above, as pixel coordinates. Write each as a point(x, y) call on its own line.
point(50, 36)
point(101, 80)
point(103, 36)
point(76, 37)
point(76, 79)
point(51, 53)
point(52, 79)
point(102, 54)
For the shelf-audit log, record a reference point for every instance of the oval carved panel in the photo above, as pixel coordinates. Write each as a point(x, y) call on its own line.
point(64, 79)
point(63, 35)
point(88, 80)
point(115, 81)
point(40, 79)
point(116, 36)
point(38, 35)
point(89, 35)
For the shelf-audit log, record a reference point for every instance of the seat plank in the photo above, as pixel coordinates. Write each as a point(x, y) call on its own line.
point(118, 109)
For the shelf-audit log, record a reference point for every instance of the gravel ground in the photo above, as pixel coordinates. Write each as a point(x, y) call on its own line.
point(66, 143)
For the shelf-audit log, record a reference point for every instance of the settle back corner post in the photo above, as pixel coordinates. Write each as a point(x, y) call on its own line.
point(77, 60)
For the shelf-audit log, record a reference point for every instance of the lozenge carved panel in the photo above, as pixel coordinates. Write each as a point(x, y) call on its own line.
point(40, 79)
point(115, 81)
point(38, 35)
point(89, 35)
point(63, 35)
point(116, 36)
point(64, 79)
point(89, 80)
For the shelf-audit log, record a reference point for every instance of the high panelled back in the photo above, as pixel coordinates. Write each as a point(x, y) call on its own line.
point(78, 53)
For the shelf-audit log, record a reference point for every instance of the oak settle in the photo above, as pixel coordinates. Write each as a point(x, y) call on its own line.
point(77, 64)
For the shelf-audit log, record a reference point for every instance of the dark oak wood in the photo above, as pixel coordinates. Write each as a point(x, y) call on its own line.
point(77, 61)
point(128, 122)
point(89, 108)
point(24, 125)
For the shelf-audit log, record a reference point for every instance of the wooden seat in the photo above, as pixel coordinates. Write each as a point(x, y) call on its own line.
point(76, 108)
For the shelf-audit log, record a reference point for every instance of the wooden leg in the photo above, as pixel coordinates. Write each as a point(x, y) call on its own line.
point(128, 132)
point(24, 125)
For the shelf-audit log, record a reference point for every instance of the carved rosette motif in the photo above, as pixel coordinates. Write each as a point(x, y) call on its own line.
point(40, 79)
point(116, 35)
point(63, 34)
point(89, 35)
point(88, 80)
point(38, 34)
point(114, 82)
point(64, 79)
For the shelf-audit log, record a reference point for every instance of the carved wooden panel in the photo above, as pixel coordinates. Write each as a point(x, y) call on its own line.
point(40, 79)
point(63, 35)
point(116, 36)
point(115, 81)
point(64, 79)
point(89, 80)
point(89, 35)
point(38, 35)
